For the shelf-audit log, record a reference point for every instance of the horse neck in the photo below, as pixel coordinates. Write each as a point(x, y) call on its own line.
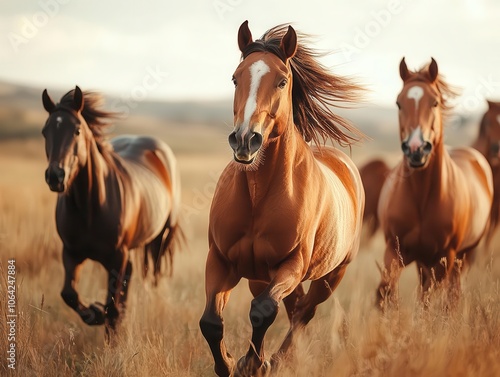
point(88, 189)
point(281, 155)
point(433, 180)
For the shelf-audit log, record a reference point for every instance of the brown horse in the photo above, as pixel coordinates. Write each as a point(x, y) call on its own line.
point(112, 197)
point(283, 212)
point(435, 204)
point(488, 143)
point(373, 174)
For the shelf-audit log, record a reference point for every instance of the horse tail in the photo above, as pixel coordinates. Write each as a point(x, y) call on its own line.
point(162, 249)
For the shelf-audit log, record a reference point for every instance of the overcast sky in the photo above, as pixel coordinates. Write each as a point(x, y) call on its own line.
point(187, 50)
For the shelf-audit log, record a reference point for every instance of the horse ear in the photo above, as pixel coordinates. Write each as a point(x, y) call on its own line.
point(244, 36)
point(289, 43)
point(403, 70)
point(78, 99)
point(48, 104)
point(433, 70)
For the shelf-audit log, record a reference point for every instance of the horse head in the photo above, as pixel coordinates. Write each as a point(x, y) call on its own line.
point(65, 134)
point(419, 113)
point(263, 92)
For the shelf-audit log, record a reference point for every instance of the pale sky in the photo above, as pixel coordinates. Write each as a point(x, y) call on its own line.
point(187, 50)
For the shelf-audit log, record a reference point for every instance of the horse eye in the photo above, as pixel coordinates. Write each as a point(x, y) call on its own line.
point(435, 104)
point(234, 81)
point(282, 83)
point(77, 132)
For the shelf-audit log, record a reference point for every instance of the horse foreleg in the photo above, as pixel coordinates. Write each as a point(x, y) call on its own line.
point(257, 287)
point(447, 273)
point(92, 315)
point(393, 265)
point(319, 291)
point(219, 281)
point(263, 312)
point(119, 270)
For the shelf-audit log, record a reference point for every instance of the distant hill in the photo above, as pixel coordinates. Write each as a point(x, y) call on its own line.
point(22, 115)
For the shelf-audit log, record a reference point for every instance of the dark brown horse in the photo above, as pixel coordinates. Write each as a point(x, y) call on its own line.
point(373, 174)
point(434, 207)
point(283, 212)
point(488, 143)
point(112, 197)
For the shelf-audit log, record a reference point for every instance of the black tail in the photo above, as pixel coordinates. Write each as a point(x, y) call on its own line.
point(160, 252)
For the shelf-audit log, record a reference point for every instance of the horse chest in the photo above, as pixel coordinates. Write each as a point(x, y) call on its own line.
point(422, 234)
point(86, 232)
point(254, 241)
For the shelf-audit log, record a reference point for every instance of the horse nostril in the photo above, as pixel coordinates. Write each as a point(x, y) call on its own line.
point(232, 140)
point(47, 175)
point(60, 175)
point(405, 148)
point(255, 142)
point(427, 147)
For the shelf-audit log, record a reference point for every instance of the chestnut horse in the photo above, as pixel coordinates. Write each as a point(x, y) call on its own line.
point(112, 197)
point(488, 143)
point(435, 204)
point(283, 212)
point(373, 174)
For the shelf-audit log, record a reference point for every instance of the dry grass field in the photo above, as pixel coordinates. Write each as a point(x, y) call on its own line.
point(160, 335)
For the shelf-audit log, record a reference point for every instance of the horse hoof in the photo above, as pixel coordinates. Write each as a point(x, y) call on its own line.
point(96, 315)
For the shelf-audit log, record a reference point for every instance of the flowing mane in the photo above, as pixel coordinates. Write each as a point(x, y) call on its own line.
point(314, 91)
point(97, 119)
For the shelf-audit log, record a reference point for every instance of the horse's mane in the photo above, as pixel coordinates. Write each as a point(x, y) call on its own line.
point(99, 121)
point(446, 91)
point(314, 90)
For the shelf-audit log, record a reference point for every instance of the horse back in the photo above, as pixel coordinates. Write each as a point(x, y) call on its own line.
point(151, 180)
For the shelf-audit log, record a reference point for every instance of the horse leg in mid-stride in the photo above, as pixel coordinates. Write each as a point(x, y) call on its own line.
point(446, 272)
point(219, 281)
point(257, 287)
point(119, 270)
point(263, 312)
point(93, 315)
point(319, 291)
point(386, 294)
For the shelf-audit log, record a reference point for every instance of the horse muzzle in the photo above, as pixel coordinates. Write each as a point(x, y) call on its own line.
point(417, 157)
point(245, 145)
point(54, 176)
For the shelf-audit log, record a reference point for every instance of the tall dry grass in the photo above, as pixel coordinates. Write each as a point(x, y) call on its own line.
point(160, 335)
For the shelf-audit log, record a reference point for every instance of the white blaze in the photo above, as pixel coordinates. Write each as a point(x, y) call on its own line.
point(415, 139)
point(257, 71)
point(415, 92)
point(59, 121)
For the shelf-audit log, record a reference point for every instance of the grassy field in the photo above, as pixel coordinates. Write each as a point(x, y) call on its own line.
point(160, 335)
